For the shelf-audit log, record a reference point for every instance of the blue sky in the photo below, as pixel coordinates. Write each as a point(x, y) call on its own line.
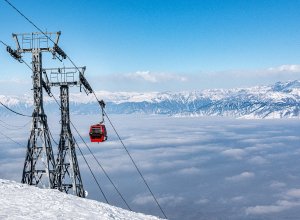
point(157, 45)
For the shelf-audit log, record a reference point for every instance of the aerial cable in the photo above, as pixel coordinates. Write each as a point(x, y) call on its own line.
point(105, 173)
point(20, 59)
point(14, 111)
point(27, 18)
point(11, 139)
point(138, 170)
point(40, 31)
point(101, 167)
point(52, 137)
point(91, 171)
point(56, 101)
point(132, 160)
point(15, 126)
point(73, 127)
point(4, 43)
point(98, 102)
point(23, 61)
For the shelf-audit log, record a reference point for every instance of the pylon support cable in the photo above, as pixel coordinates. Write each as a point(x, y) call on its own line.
point(91, 171)
point(103, 111)
point(101, 167)
point(15, 126)
point(8, 2)
point(5, 106)
point(52, 137)
point(132, 160)
point(11, 139)
point(105, 173)
point(3, 43)
point(138, 170)
point(20, 59)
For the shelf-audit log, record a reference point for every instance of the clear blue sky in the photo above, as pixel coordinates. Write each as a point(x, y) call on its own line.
point(141, 45)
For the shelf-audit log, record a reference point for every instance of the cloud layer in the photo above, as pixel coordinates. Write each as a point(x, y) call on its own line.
point(287, 68)
point(199, 168)
point(155, 77)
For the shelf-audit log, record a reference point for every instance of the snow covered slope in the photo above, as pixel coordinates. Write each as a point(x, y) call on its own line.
point(281, 100)
point(19, 201)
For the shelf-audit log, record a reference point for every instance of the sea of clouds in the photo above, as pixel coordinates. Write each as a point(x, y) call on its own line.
point(199, 168)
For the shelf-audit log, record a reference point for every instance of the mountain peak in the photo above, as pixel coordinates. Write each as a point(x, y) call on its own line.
point(286, 86)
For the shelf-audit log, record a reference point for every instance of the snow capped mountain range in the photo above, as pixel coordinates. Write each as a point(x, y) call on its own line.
point(20, 201)
point(281, 100)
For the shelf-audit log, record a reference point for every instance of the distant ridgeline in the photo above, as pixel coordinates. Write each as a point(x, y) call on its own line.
point(281, 100)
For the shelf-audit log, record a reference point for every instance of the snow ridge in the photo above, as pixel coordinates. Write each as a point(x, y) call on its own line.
point(20, 201)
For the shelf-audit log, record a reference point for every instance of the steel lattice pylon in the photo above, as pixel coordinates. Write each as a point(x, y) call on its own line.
point(40, 168)
point(67, 170)
point(67, 173)
point(39, 161)
point(39, 165)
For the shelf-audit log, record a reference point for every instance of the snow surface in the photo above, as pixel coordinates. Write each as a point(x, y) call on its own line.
point(20, 201)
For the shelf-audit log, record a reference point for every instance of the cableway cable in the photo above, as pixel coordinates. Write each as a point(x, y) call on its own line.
point(103, 110)
point(6, 105)
point(52, 137)
point(91, 171)
point(105, 173)
point(132, 160)
point(11, 139)
point(16, 127)
point(23, 125)
point(14, 110)
point(23, 61)
point(101, 167)
point(138, 170)
point(3, 43)
point(12, 128)
point(98, 184)
point(20, 59)
point(27, 19)
point(73, 127)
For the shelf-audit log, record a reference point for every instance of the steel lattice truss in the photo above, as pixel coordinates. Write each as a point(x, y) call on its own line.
point(67, 176)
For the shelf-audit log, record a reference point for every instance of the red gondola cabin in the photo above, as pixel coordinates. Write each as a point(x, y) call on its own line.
point(98, 133)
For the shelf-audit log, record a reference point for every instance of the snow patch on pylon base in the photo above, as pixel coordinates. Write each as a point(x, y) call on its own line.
point(20, 201)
